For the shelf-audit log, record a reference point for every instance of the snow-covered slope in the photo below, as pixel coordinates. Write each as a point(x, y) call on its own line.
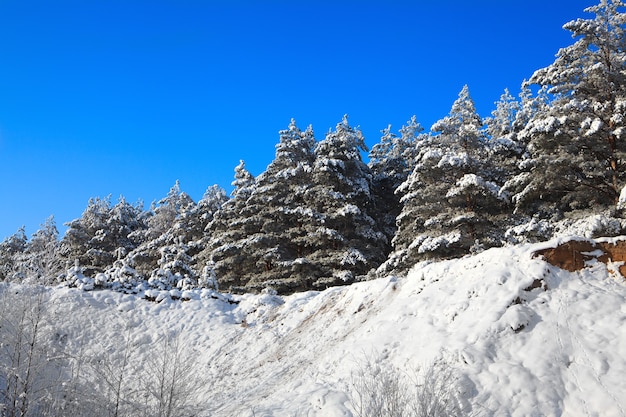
point(524, 338)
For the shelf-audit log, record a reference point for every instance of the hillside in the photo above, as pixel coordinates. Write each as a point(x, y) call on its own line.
point(520, 337)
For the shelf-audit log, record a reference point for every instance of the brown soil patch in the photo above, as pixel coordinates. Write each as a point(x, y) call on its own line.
point(574, 254)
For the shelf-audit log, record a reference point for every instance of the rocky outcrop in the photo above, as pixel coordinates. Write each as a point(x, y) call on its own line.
point(574, 255)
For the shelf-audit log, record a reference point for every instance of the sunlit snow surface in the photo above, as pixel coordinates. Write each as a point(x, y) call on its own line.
point(518, 350)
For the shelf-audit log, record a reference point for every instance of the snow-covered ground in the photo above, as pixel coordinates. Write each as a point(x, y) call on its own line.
point(522, 337)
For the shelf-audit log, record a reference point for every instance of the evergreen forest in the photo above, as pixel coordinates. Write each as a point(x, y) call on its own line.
point(329, 211)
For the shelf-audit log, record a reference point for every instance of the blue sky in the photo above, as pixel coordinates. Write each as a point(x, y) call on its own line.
point(123, 97)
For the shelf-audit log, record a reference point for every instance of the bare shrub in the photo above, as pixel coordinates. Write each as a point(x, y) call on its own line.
point(47, 373)
point(172, 382)
point(111, 377)
point(435, 392)
point(31, 369)
point(380, 389)
point(129, 383)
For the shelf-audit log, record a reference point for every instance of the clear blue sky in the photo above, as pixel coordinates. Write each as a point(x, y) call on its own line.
point(123, 97)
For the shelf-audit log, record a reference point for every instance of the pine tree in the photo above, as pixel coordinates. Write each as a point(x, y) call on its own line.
point(391, 161)
point(187, 237)
point(83, 241)
point(174, 268)
point(173, 230)
point(513, 156)
point(305, 222)
point(125, 224)
point(101, 235)
point(228, 232)
point(258, 236)
point(208, 277)
point(40, 262)
point(577, 143)
point(209, 205)
point(195, 223)
point(244, 182)
point(10, 249)
point(278, 209)
point(121, 276)
point(168, 210)
point(449, 199)
point(342, 237)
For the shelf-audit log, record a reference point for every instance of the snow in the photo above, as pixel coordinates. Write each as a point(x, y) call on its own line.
point(432, 243)
point(622, 198)
point(453, 159)
point(518, 349)
point(592, 126)
point(352, 257)
point(349, 210)
point(589, 227)
point(468, 181)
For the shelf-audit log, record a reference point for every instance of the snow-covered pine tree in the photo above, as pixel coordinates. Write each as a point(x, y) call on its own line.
point(244, 182)
point(39, 262)
point(10, 249)
point(577, 144)
point(510, 148)
point(500, 124)
point(343, 240)
point(125, 223)
point(509, 154)
point(258, 237)
point(185, 239)
point(98, 237)
point(228, 232)
point(278, 208)
point(80, 233)
point(449, 199)
point(120, 276)
point(394, 156)
point(208, 278)
point(513, 163)
point(174, 268)
point(391, 161)
point(502, 127)
point(192, 219)
point(211, 202)
point(196, 221)
point(175, 226)
point(167, 210)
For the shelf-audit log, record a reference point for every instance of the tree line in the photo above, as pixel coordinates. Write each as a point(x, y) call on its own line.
point(321, 214)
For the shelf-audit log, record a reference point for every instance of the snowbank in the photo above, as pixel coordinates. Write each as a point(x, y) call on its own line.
point(526, 338)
